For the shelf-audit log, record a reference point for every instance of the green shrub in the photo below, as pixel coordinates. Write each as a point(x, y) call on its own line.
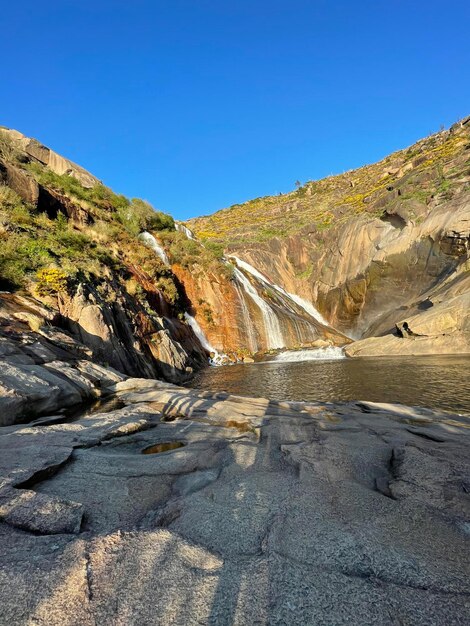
point(217, 249)
point(8, 150)
point(206, 312)
point(12, 266)
point(9, 199)
point(168, 288)
point(139, 215)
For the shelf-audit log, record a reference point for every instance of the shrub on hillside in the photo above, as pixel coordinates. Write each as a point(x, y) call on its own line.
point(51, 281)
point(134, 215)
point(168, 288)
point(8, 150)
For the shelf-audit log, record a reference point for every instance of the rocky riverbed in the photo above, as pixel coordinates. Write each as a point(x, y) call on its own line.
point(187, 507)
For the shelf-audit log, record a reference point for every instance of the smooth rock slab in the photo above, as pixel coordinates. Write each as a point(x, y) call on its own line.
point(271, 513)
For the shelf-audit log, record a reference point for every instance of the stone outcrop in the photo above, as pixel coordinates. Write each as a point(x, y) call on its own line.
point(50, 358)
point(342, 514)
point(46, 370)
point(46, 200)
point(20, 181)
point(44, 155)
point(439, 322)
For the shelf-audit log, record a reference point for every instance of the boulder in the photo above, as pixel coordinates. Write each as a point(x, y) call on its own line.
point(171, 357)
point(20, 181)
point(28, 390)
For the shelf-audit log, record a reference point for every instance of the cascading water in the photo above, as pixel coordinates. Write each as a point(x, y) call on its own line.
point(184, 229)
point(217, 358)
point(250, 331)
point(151, 242)
point(304, 304)
point(331, 353)
point(274, 336)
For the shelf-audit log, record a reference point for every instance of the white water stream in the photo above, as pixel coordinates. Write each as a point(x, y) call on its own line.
point(249, 328)
point(331, 353)
point(151, 242)
point(271, 323)
point(184, 229)
point(217, 358)
point(274, 336)
point(304, 304)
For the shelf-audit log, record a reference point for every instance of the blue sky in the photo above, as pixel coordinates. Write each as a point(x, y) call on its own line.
point(195, 105)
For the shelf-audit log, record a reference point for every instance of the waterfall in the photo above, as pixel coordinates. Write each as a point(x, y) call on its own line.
point(151, 242)
point(331, 353)
point(307, 307)
point(274, 336)
point(184, 229)
point(304, 304)
point(249, 329)
point(218, 358)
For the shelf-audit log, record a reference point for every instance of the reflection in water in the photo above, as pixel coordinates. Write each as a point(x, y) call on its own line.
point(75, 413)
point(441, 382)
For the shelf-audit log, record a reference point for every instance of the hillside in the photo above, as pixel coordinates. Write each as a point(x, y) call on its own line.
point(348, 256)
point(370, 246)
point(432, 170)
point(71, 257)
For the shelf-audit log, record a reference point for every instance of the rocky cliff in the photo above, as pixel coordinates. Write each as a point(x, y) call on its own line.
point(348, 256)
point(121, 285)
point(72, 264)
point(370, 247)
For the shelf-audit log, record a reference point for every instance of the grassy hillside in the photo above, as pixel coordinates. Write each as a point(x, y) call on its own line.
point(436, 166)
point(67, 233)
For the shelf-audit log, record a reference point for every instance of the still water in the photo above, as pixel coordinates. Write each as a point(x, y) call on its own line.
point(440, 382)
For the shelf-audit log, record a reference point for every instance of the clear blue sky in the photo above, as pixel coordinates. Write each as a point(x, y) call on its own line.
point(195, 105)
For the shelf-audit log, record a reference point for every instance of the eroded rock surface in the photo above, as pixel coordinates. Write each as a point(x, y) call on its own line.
point(54, 359)
point(270, 513)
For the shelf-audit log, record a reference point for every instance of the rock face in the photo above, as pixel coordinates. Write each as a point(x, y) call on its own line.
point(107, 301)
point(239, 313)
point(51, 159)
point(57, 365)
point(242, 315)
point(440, 324)
point(45, 371)
point(335, 514)
point(368, 247)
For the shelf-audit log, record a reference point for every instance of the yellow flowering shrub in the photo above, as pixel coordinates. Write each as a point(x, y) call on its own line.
point(51, 280)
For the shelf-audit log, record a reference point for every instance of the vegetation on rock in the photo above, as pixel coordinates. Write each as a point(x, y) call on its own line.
point(81, 234)
point(434, 166)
